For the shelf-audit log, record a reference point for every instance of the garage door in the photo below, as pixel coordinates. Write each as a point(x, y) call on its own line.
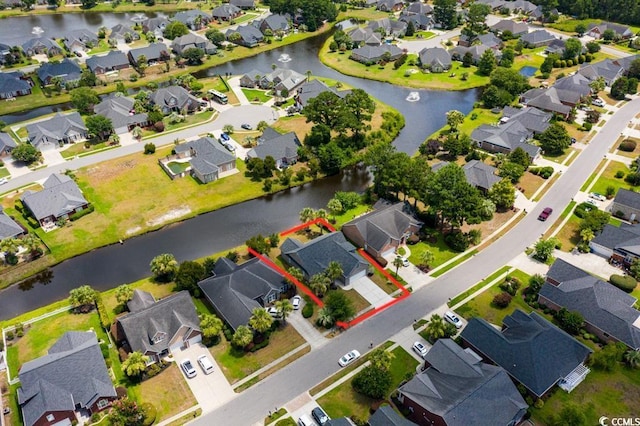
point(357, 276)
point(195, 340)
point(600, 250)
point(175, 347)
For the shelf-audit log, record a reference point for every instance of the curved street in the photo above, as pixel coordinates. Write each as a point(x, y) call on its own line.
point(254, 404)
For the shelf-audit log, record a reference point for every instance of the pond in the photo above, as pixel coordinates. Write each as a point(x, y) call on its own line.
point(528, 71)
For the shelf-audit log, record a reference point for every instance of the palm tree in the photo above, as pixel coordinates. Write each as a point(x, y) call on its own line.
point(319, 284)
point(137, 132)
point(335, 206)
point(397, 262)
point(632, 358)
point(587, 235)
point(10, 246)
point(436, 328)
point(320, 214)
point(427, 257)
point(242, 337)
point(324, 318)
point(334, 271)
point(285, 308)
point(32, 243)
point(135, 364)
point(262, 125)
point(164, 267)
point(306, 214)
point(296, 273)
point(260, 321)
point(381, 359)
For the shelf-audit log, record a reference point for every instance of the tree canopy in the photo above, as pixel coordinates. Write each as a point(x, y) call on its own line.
point(444, 12)
point(555, 139)
point(314, 12)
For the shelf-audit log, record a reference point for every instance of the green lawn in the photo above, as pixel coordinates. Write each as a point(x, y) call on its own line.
point(568, 24)
point(78, 148)
point(345, 217)
point(441, 252)
point(608, 178)
point(255, 95)
point(452, 265)
point(478, 286)
point(344, 401)
point(102, 47)
point(475, 118)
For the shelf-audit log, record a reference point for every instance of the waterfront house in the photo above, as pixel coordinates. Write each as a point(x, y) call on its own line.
point(282, 148)
point(57, 131)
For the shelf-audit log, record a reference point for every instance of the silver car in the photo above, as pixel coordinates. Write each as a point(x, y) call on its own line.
point(188, 368)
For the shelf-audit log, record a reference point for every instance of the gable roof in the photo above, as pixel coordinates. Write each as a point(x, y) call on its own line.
point(173, 97)
point(374, 52)
point(225, 11)
point(532, 119)
point(8, 227)
point(625, 238)
point(313, 88)
point(188, 17)
point(11, 82)
point(114, 58)
point(377, 228)
point(510, 135)
point(481, 175)
point(60, 196)
point(57, 127)
point(140, 300)
point(6, 142)
point(40, 43)
point(314, 256)
point(509, 25)
point(151, 52)
point(80, 36)
point(549, 99)
point(72, 373)
point(490, 40)
point(276, 145)
point(243, 3)
point(627, 198)
point(435, 56)
point(250, 34)
point(608, 69)
point(275, 22)
point(67, 69)
point(386, 416)
point(207, 156)
point(539, 36)
point(419, 8)
point(463, 390)
point(119, 110)
point(535, 352)
point(121, 30)
point(236, 290)
point(168, 315)
point(601, 304)
point(619, 29)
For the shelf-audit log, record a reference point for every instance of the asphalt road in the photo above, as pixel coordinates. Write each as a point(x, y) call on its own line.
point(254, 404)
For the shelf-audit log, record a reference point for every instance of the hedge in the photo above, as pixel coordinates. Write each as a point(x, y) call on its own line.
point(81, 213)
point(623, 282)
point(582, 209)
point(627, 145)
point(543, 172)
point(105, 321)
point(307, 310)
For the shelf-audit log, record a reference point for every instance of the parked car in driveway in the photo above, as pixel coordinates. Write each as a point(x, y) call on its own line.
point(320, 416)
point(453, 319)
point(348, 358)
point(206, 364)
point(592, 202)
point(295, 301)
point(598, 102)
point(597, 196)
point(420, 349)
point(305, 420)
point(188, 368)
point(274, 312)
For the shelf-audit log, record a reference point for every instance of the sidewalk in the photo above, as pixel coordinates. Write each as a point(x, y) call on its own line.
point(313, 337)
point(234, 84)
point(268, 366)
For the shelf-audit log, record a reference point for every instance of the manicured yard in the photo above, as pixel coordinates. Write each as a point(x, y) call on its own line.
point(562, 157)
point(529, 183)
point(441, 252)
point(475, 118)
point(168, 392)
point(102, 47)
point(345, 217)
point(478, 286)
point(79, 149)
point(359, 302)
point(158, 291)
point(255, 95)
point(608, 178)
point(344, 401)
point(237, 364)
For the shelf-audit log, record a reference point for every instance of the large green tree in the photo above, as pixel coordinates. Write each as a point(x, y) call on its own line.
point(503, 194)
point(175, 29)
point(135, 364)
point(83, 99)
point(359, 107)
point(476, 17)
point(211, 327)
point(314, 12)
point(124, 293)
point(555, 139)
point(193, 55)
point(454, 119)
point(99, 126)
point(339, 305)
point(242, 337)
point(82, 298)
point(487, 62)
point(327, 108)
point(572, 48)
point(26, 153)
point(444, 12)
point(188, 275)
point(164, 267)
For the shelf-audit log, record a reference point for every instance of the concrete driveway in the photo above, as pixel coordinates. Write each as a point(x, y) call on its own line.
point(210, 390)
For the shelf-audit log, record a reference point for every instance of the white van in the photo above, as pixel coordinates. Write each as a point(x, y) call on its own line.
point(453, 319)
point(305, 420)
point(205, 364)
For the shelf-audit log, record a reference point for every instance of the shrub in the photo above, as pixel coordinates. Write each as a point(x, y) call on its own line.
point(543, 172)
point(159, 127)
point(149, 148)
point(587, 126)
point(627, 145)
point(633, 178)
point(105, 321)
point(152, 370)
point(372, 382)
point(150, 413)
point(619, 214)
point(623, 282)
point(307, 310)
point(81, 213)
point(457, 241)
point(619, 174)
point(502, 300)
point(582, 209)
point(510, 285)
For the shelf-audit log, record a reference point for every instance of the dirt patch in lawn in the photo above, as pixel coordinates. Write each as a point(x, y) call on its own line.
point(169, 216)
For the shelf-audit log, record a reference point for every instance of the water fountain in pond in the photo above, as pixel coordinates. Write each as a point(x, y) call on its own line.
point(37, 31)
point(413, 97)
point(139, 17)
point(284, 58)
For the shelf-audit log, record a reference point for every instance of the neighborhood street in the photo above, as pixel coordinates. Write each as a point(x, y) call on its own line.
point(254, 404)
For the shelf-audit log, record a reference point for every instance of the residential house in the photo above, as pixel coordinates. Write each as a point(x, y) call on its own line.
point(113, 61)
point(313, 88)
point(539, 14)
point(79, 40)
point(72, 377)
point(435, 59)
point(383, 230)
point(534, 352)
point(519, 6)
point(533, 119)
point(282, 80)
point(505, 138)
point(194, 19)
point(57, 130)
point(626, 61)
point(67, 70)
point(618, 244)
point(457, 388)
point(208, 159)
point(175, 99)
point(234, 291)
point(6, 144)
point(120, 110)
point(226, 12)
point(550, 100)
point(41, 46)
point(390, 5)
point(476, 51)
point(608, 312)
point(515, 27)
point(466, 40)
point(191, 41)
point(386, 416)
point(597, 30)
point(5, 51)
point(275, 23)
point(155, 25)
point(152, 53)
point(477, 173)
point(418, 8)
point(157, 328)
point(556, 47)
point(13, 84)
point(282, 148)
point(251, 79)
point(9, 228)
point(123, 32)
point(313, 257)
point(491, 40)
point(365, 36)
point(374, 54)
point(388, 27)
point(243, 4)
point(495, 5)
point(420, 21)
point(626, 205)
point(60, 198)
point(608, 69)
point(537, 38)
point(248, 36)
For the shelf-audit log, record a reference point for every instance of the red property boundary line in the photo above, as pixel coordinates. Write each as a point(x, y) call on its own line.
point(324, 223)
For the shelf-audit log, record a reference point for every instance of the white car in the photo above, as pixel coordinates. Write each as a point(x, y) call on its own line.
point(420, 348)
point(405, 261)
point(348, 358)
point(188, 369)
point(592, 202)
point(295, 301)
point(598, 102)
point(453, 319)
point(205, 364)
point(597, 196)
point(274, 312)
point(3, 180)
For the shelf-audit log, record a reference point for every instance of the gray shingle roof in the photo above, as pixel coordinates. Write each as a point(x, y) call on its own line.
point(174, 97)
point(225, 11)
point(73, 373)
point(119, 31)
point(236, 290)
point(276, 22)
point(40, 43)
point(67, 69)
point(188, 17)
point(140, 300)
point(8, 227)
point(114, 58)
point(619, 29)
point(480, 175)
point(118, 110)
point(419, 8)
point(56, 128)
point(608, 69)
point(625, 238)
point(313, 88)
point(12, 83)
point(314, 256)
point(153, 51)
point(539, 36)
point(505, 136)
point(168, 315)
point(248, 4)
point(535, 352)
point(627, 198)
point(206, 155)
point(386, 416)
point(80, 36)
point(6, 142)
point(563, 271)
point(375, 52)
point(463, 390)
point(435, 56)
point(532, 119)
point(509, 25)
point(60, 196)
point(250, 34)
point(601, 304)
point(550, 99)
point(276, 145)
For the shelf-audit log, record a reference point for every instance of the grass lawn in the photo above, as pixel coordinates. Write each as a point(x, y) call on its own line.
point(78, 148)
point(345, 217)
point(530, 183)
point(237, 364)
point(158, 291)
point(189, 120)
point(102, 47)
point(363, 14)
point(344, 401)
point(475, 118)
point(452, 265)
point(255, 95)
point(569, 235)
point(168, 392)
point(608, 178)
point(478, 286)
point(633, 154)
point(441, 252)
point(381, 281)
point(359, 302)
point(482, 306)
point(562, 157)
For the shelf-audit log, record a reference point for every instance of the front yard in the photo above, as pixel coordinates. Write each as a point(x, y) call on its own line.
point(608, 178)
point(441, 251)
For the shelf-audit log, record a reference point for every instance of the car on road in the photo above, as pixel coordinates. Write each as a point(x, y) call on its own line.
point(420, 349)
point(295, 301)
point(348, 358)
point(246, 126)
point(320, 416)
point(453, 319)
point(3, 180)
point(545, 214)
point(188, 369)
point(206, 364)
point(597, 196)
